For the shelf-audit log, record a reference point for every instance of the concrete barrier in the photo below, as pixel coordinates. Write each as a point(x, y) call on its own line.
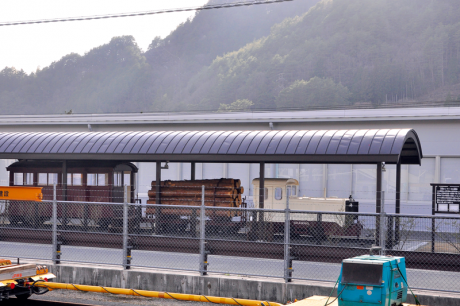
point(215, 285)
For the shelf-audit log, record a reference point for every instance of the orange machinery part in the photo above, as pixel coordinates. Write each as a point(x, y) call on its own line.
point(20, 193)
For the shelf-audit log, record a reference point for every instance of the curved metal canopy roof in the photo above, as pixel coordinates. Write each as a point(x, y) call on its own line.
point(306, 146)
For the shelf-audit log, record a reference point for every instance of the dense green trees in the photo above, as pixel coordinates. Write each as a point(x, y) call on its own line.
point(237, 106)
point(119, 77)
point(381, 50)
point(316, 92)
point(338, 52)
point(110, 78)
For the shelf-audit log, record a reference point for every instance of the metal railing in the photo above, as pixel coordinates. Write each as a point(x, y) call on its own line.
point(286, 244)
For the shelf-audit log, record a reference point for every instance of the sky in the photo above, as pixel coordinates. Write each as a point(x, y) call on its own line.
point(29, 47)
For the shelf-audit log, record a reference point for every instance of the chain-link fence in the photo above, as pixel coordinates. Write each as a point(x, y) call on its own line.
point(206, 235)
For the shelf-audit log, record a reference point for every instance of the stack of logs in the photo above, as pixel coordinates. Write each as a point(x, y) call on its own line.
point(218, 193)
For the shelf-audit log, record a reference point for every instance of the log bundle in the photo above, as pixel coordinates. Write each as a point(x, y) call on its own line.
point(218, 193)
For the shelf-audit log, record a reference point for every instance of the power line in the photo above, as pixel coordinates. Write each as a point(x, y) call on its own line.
point(144, 13)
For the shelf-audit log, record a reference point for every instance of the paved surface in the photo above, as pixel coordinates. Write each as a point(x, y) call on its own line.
point(423, 279)
point(95, 299)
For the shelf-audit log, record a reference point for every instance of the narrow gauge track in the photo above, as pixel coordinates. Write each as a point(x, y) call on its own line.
point(310, 251)
point(17, 302)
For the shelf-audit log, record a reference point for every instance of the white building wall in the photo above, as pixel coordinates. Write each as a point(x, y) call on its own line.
point(436, 127)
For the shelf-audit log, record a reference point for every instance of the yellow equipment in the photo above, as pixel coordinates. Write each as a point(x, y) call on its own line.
point(15, 279)
point(19, 193)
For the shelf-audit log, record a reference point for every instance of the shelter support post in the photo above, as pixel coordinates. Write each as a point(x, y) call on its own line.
point(64, 180)
point(158, 197)
point(433, 220)
point(203, 251)
point(398, 201)
point(64, 194)
point(378, 203)
point(192, 171)
point(287, 244)
point(260, 224)
point(262, 185)
point(126, 247)
point(158, 183)
point(383, 230)
point(56, 256)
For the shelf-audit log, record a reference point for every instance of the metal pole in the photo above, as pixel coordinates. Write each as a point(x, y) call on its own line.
point(382, 226)
point(203, 253)
point(126, 256)
point(378, 203)
point(64, 193)
point(158, 197)
point(287, 247)
point(398, 201)
point(56, 256)
point(260, 221)
point(433, 221)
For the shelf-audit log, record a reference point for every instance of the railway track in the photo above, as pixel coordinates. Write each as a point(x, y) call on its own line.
point(309, 251)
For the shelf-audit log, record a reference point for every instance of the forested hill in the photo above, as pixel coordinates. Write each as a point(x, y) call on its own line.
point(338, 52)
point(119, 77)
point(342, 52)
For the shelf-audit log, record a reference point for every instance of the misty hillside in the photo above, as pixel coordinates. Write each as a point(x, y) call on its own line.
point(340, 52)
point(118, 77)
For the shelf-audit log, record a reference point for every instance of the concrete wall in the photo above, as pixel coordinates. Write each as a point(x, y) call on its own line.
point(265, 289)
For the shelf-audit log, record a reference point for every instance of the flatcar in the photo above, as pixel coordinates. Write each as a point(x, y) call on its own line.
point(87, 181)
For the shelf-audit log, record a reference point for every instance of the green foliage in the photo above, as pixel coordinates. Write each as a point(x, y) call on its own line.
point(313, 93)
point(349, 51)
point(237, 106)
point(119, 77)
point(110, 78)
point(381, 50)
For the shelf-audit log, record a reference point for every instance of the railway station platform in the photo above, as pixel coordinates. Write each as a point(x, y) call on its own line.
point(243, 287)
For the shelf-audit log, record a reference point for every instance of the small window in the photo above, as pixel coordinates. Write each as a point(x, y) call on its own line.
point(266, 194)
point(52, 179)
point(91, 179)
point(127, 178)
point(291, 190)
point(117, 179)
point(69, 179)
point(96, 179)
point(29, 179)
point(77, 179)
point(47, 179)
point(19, 179)
point(43, 179)
point(278, 193)
point(102, 179)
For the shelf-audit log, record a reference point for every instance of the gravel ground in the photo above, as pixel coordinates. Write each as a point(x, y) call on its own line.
point(101, 299)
